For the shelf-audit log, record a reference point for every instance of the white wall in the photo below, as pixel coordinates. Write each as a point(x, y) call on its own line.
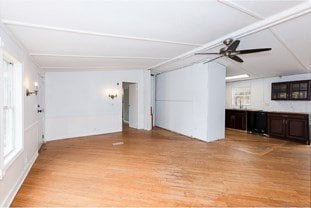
point(261, 95)
point(76, 103)
point(16, 172)
point(216, 101)
point(184, 102)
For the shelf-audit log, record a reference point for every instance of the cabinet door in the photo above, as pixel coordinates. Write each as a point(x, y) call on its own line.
point(232, 121)
point(296, 129)
point(276, 126)
point(228, 114)
point(240, 121)
point(299, 90)
point(279, 91)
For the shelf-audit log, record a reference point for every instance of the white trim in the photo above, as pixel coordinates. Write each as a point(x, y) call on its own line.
point(240, 8)
point(31, 126)
point(255, 15)
point(8, 200)
point(297, 11)
point(18, 43)
point(83, 136)
point(10, 158)
point(90, 56)
point(89, 67)
point(1, 112)
point(85, 32)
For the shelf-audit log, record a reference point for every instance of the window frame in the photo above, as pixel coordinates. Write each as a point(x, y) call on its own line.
point(10, 107)
point(18, 116)
point(234, 95)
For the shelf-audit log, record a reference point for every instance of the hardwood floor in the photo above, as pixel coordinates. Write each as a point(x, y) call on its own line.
point(161, 168)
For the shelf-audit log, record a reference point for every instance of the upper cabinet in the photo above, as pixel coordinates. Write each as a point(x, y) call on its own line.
point(280, 91)
point(300, 90)
point(296, 90)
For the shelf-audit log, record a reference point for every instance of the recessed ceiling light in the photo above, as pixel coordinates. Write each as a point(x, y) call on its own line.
point(237, 77)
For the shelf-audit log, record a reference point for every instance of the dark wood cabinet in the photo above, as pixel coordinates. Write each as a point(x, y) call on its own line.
point(236, 119)
point(276, 125)
point(289, 126)
point(279, 91)
point(296, 90)
point(300, 90)
point(281, 125)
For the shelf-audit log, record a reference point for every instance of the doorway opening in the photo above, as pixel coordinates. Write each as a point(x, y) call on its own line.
point(130, 105)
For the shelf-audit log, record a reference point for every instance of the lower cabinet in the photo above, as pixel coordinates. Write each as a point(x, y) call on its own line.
point(236, 119)
point(289, 126)
point(278, 124)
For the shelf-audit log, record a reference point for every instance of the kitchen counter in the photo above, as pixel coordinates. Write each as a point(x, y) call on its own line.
point(288, 125)
point(283, 112)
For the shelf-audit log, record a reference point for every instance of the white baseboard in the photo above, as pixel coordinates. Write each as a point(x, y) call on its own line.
point(9, 199)
point(83, 135)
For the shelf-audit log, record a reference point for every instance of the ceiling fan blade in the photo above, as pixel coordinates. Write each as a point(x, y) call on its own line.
point(233, 46)
point(236, 58)
point(206, 53)
point(213, 59)
point(246, 51)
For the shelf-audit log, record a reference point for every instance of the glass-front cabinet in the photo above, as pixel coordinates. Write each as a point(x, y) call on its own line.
point(280, 91)
point(296, 90)
point(299, 90)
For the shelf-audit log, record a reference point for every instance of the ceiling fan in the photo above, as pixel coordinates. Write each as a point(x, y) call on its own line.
point(231, 52)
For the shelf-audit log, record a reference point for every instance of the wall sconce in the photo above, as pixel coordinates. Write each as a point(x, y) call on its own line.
point(112, 93)
point(113, 96)
point(35, 92)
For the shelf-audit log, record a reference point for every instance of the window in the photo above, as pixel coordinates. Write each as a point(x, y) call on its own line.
point(8, 107)
point(11, 111)
point(241, 96)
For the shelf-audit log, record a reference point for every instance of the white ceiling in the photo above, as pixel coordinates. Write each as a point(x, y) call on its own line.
point(69, 35)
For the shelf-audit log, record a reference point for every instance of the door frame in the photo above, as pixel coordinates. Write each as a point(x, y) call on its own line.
point(136, 103)
point(40, 109)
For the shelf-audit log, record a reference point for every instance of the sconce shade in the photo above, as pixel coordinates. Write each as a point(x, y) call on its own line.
point(35, 92)
point(112, 93)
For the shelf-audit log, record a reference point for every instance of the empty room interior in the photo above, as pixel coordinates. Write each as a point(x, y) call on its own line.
point(203, 103)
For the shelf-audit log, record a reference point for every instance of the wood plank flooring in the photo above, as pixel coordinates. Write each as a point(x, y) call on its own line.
point(161, 168)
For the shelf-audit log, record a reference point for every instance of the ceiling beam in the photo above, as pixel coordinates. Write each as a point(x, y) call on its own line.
point(240, 8)
point(104, 57)
point(85, 32)
point(253, 14)
point(86, 67)
point(294, 12)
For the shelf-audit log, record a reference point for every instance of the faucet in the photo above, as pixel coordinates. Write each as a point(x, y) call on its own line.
point(241, 106)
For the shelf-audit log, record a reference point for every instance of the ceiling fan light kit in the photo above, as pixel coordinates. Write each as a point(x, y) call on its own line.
point(231, 52)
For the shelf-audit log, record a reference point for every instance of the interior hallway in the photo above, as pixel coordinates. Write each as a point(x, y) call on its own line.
point(161, 168)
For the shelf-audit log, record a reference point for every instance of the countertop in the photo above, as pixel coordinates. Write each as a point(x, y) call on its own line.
point(237, 109)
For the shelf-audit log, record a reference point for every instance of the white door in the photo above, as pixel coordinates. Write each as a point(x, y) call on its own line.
point(133, 106)
point(40, 110)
